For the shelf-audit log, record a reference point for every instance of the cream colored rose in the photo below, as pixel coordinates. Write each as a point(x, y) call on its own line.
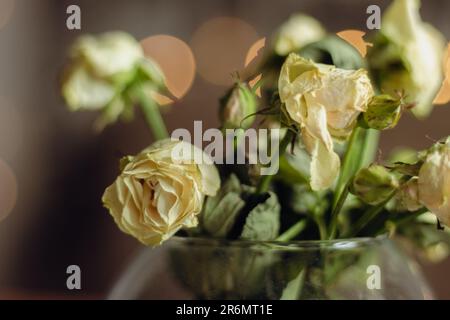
point(299, 31)
point(325, 102)
point(407, 55)
point(407, 197)
point(100, 70)
point(94, 62)
point(161, 190)
point(434, 181)
point(431, 189)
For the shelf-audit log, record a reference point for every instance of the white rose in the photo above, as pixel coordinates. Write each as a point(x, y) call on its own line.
point(407, 55)
point(325, 102)
point(299, 31)
point(100, 70)
point(159, 192)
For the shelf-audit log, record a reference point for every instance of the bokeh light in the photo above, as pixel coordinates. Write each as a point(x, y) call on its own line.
point(176, 61)
point(253, 82)
point(8, 190)
point(443, 96)
point(6, 11)
point(254, 54)
point(356, 39)
point(220, 47)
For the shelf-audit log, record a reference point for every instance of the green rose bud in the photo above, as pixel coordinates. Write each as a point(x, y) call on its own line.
point(374, 184)
point(383, 112)
point(239, 103)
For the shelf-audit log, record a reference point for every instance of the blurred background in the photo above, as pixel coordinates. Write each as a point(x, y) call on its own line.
point(54, 167)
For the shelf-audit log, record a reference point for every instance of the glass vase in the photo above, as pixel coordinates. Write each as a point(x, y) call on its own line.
point(193, 268)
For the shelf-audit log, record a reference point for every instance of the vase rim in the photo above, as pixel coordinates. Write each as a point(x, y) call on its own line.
point(336, 244)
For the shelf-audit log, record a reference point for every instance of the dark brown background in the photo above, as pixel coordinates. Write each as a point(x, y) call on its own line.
point(62, 166)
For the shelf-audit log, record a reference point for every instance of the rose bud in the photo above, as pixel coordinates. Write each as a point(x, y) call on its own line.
point(383, 112)
point(374, 184)
point(239, 103)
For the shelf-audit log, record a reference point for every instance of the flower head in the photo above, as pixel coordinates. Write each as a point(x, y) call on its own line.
point(299, 31)
point(325, 102)
point(161, 190)
point(100, 71)
point(434, 181)
point(407, 55)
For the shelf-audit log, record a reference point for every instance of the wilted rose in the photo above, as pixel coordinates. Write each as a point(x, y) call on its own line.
point(161, 190)
point(325, 102)
point(434, 181)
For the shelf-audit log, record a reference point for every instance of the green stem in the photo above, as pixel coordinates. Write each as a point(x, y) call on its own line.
point(369, 216)
point(410, 216)
point(293, 231)
point(370, 147)
point(152, 115)
point(361, 150)
point(337, 210)
point(264, 182)
point(322, 227)
point(346, 166)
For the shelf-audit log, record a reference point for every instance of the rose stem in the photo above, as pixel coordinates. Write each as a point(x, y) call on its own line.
point(293, 231)
point(368, 216)
point(346, 166)
point(152, 115)
point(360, 152)
point(264, 182)
point(336, 210)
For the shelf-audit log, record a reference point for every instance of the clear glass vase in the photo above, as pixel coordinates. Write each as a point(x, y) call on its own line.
point(191, 268)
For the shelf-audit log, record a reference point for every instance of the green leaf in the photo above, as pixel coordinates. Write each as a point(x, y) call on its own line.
point(289, 174)
point(232, 184)
point(220, 220)
point(263, 222)
point(220, 212)
point(333, 50)
point(293, 289)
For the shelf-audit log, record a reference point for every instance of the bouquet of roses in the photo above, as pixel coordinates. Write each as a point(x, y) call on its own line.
point(322, 103)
